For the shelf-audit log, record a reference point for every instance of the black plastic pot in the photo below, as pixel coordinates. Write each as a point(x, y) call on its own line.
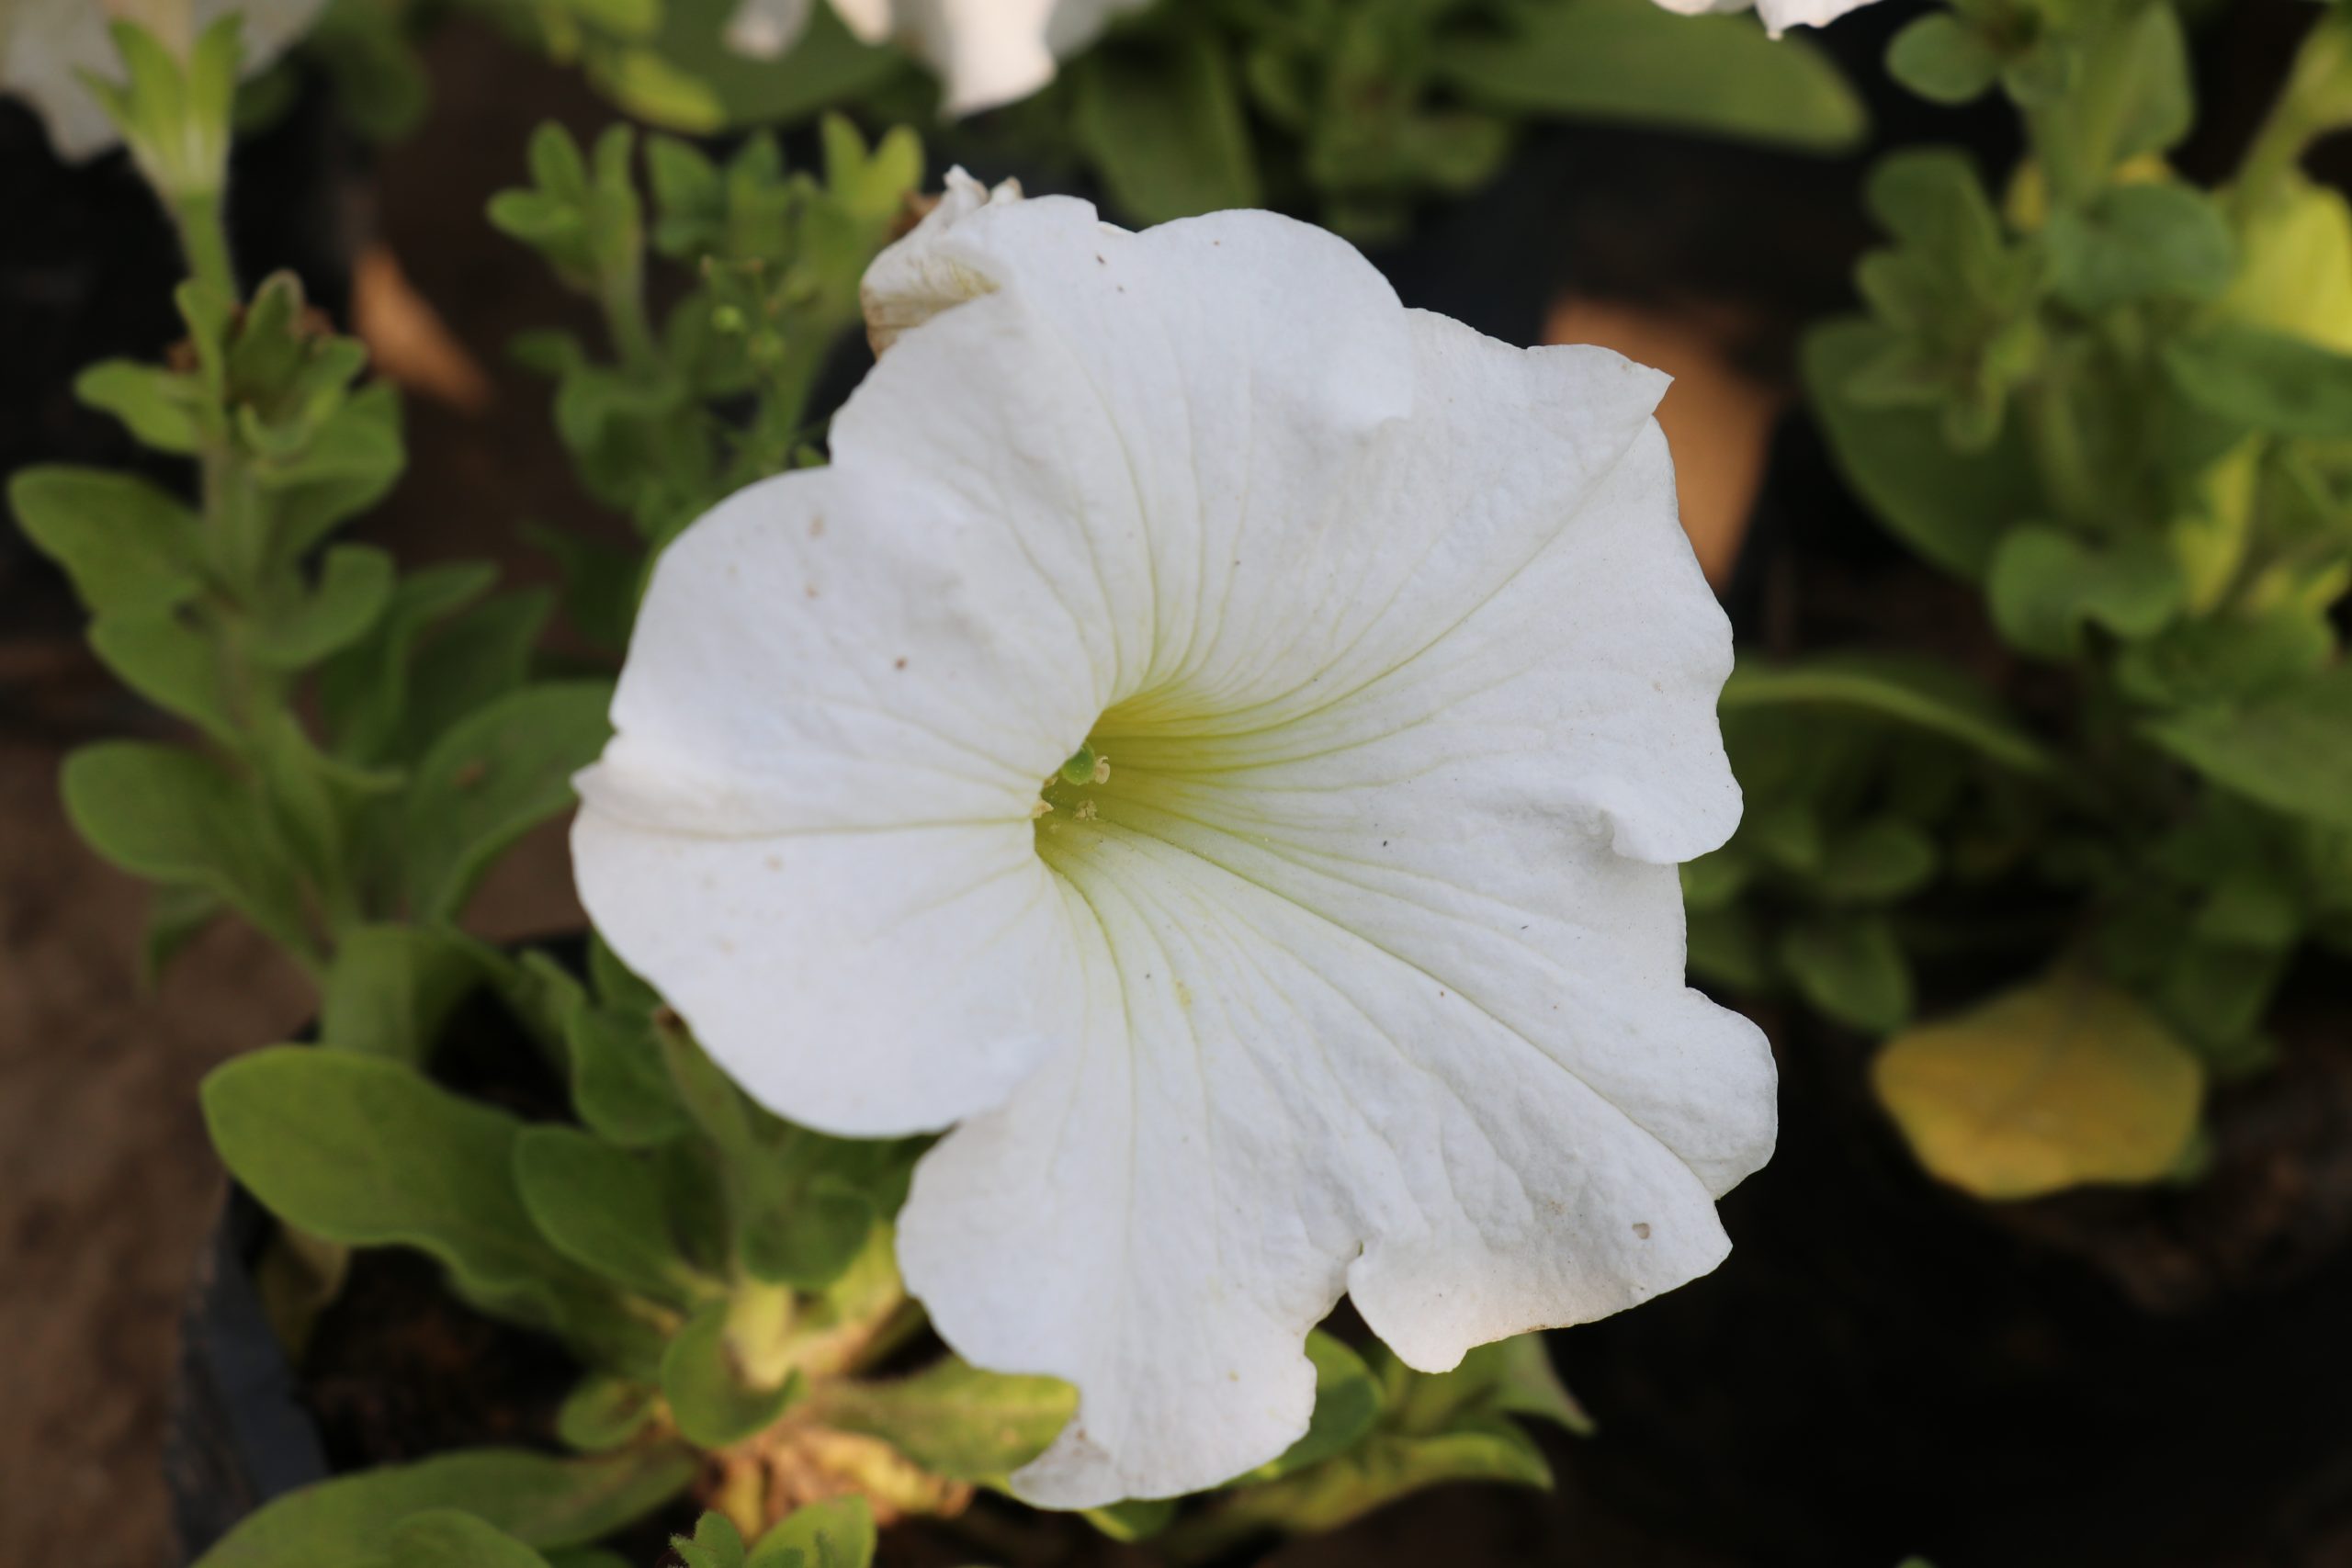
point(239, 1433)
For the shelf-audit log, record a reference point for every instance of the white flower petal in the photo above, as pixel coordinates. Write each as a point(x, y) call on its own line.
point(1192, 399)
point(765, 29)
point(830, 731)
point(1160, 1215)
point(987, 52)
point(1361, 969)
point(44, 42)
point(918, 275)
point(1781, 14)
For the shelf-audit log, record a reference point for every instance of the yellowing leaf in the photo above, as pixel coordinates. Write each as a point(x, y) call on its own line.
point(2059, 1083)
point(2295, 267)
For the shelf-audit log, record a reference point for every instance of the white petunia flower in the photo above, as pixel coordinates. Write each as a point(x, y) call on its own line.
point(1222, 742)
point(44, 42)
point(1778, 16)
point(987, 52)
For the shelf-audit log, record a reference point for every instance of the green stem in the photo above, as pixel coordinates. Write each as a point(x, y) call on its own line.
point(623, 298)
point(204, 237)
point(2068, 476)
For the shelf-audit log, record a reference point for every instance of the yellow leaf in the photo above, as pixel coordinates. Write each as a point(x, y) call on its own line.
point(2295, 266)
point(2065, 1081)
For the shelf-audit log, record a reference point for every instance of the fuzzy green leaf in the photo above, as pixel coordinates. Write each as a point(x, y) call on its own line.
point(1166, 129)
point(368, 1153)
point(355, 586)
point(1922, 693)
point(1628, 62)
point(710, 1398)
point(176, 818)
point(2264, 380)
point(496, 775)
point(835, 1534)
point(955, 1419)
point(1852, 969)
point(601, 1207)
point(1951, 507)
point(2140, 242)
point(2290, 749)
point(127, 545)
point(540, 1501)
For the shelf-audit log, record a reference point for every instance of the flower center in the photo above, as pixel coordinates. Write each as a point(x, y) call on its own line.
point(1066, 792)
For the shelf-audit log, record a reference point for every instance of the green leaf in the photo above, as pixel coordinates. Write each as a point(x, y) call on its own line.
point(620, 1085)
point(1951, 507)
point(391, 990)
point(800, 1215)
point(541, 1501)
point(2264, 380)
point(365, 1152)
point(363, 689)
point(171, 664)
point(1166, 129)
point(1628, 62)
point(600, 584)
point(1875, 862)
point(715, 1543)
point(618, 985)
point(479, 654)
point(451, 1538)
point(127, 545)
point(601, 1207)
point(2060, 1082)
point(1526, 1383)
point(954, 1419)
point(2158, 101)
point(1851, 969)
point(377, 76)
point(1385, 1467)
point(176, 818)
point(1725, 949)
point(2290, 749)
point(1926, 694)
point(1943, 60)
point(687, 78)
point(2045, 585)
point(1347, 1403)
point(354, 589)
point(2217, 994)
point(1136, 1519)
point(176, 916)
point(710, 1397)
point(2140, 242)
point(835, 1534)
point(604, 1412)
point(2230, 658)
point(345, 466)
point(492, 778)
point(163, 410)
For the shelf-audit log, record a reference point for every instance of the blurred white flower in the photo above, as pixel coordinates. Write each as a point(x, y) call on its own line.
point(44, 42)
point(1221, 741)
point(987, 52)
point(1779, 14)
